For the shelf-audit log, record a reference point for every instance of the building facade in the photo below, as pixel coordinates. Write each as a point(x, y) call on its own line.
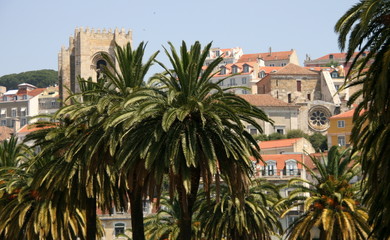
point(83, 56)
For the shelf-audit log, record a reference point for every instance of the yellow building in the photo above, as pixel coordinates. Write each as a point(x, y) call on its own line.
point(339, 132)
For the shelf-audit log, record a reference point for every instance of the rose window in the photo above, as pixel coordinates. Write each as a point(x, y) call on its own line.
point(319, 118)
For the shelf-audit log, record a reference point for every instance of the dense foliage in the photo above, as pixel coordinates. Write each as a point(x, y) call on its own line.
point(39, 78)
point(365, 28)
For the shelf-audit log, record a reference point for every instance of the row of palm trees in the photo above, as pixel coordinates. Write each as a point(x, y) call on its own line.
point(120, 136)
point(330, 203)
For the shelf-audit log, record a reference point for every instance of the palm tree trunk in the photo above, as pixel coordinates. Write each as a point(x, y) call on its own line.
point(91, 218)
point(187, 202)
point(137, 218)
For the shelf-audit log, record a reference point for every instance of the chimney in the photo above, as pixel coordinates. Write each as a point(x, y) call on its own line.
point(270, 51)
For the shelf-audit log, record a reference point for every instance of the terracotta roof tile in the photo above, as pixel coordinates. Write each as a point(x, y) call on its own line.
point(283, 55)
point(35, 92)
point(269, 69)
point(278, 143)
point(347, 114)
point(31, 128)
point(292, 69)
point(265, 100)
point(336, 56)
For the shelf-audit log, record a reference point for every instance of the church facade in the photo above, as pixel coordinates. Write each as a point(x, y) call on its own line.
point(83, 56)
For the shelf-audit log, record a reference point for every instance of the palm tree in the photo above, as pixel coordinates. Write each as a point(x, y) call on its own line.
point(255, 219)
point(330, 201)
point(27, 213)
point(164, 223)
point(88, 147)
point(366, 27)
point(188, 127)
point(12, 153)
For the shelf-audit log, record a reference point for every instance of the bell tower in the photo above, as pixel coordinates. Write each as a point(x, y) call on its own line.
point(83, 56)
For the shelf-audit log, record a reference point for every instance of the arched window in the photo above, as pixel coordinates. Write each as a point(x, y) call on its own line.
point(100, 65)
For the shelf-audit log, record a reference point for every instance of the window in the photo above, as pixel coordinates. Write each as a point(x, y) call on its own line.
point(270, 169)
point(337, 87)
point(24, 97)
point(283, 64)
point(243, 80)
point(23, 112)
point(13, 112)
point(3, 113)
point(119, 228)
point(234, 69)
point(335, 75)
point(4, 98)
point(217, 53)
point(261, 74)
point(53, 103)
point(23, 122)
point(277, 82)
point(279, 129)
point(330, 56)
point(341, 123)
point(16, 98)
point(309, 97)
point(3, 122)
point(223, 71)
point(232, 82)
point(244, 91)
point(253, 131)
point(245, 69)
point(341, 140)
point(299, 86)
point(291, 168)
point(220, 83)
point(289, 98)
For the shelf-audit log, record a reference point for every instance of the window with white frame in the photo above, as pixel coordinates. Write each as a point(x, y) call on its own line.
point(270, 169)
point(23, 111)
point(3, 113)
point(340, 123)
point(24, 97)
point(13, 112)
point(232, 82)
point(3, 122)
point(217, 53)
point(261, 74)
point(291, 167)
point(243, 80)
point(334, 74)
point(5, 98)
point(119, 228)
point(341, 140)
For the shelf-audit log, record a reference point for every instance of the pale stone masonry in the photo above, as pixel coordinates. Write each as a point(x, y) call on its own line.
point(83, 56)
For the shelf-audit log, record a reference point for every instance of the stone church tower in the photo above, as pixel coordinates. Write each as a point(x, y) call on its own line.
point(83, 57)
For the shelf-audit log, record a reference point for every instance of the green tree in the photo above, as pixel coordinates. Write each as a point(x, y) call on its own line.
point(297, 133)
point(39, 78)
point(190, 128)
point(366, 27)
point(319, 142)
point(330, 202)
point(276, 136)
point(232, 219)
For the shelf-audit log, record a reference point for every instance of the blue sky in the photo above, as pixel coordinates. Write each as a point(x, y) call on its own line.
point(32, 32)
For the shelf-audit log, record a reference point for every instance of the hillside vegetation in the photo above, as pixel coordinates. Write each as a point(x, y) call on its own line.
point(39, 78)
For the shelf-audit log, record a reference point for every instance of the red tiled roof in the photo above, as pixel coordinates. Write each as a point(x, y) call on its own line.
point(336, 56)
point(278, 143)
point(35, 92)
point(269, 69)
point(347, 114)
point(317, 69)
point(282, 158)
point(264, 100)
point(283, 55)
point(292, 69)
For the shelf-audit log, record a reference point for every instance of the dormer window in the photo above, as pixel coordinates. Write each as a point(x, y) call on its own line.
point(24, 97)
point(217, 53)
point(4, 98)
point(291, 168)
point(330, 56)
point(245, 68)
point(270, 168)
point(261, 74)
point(223, 71)
point(234, 69)
point(335, 74)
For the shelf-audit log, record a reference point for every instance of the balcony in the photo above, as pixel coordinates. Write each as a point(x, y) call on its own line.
point(278, 173)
